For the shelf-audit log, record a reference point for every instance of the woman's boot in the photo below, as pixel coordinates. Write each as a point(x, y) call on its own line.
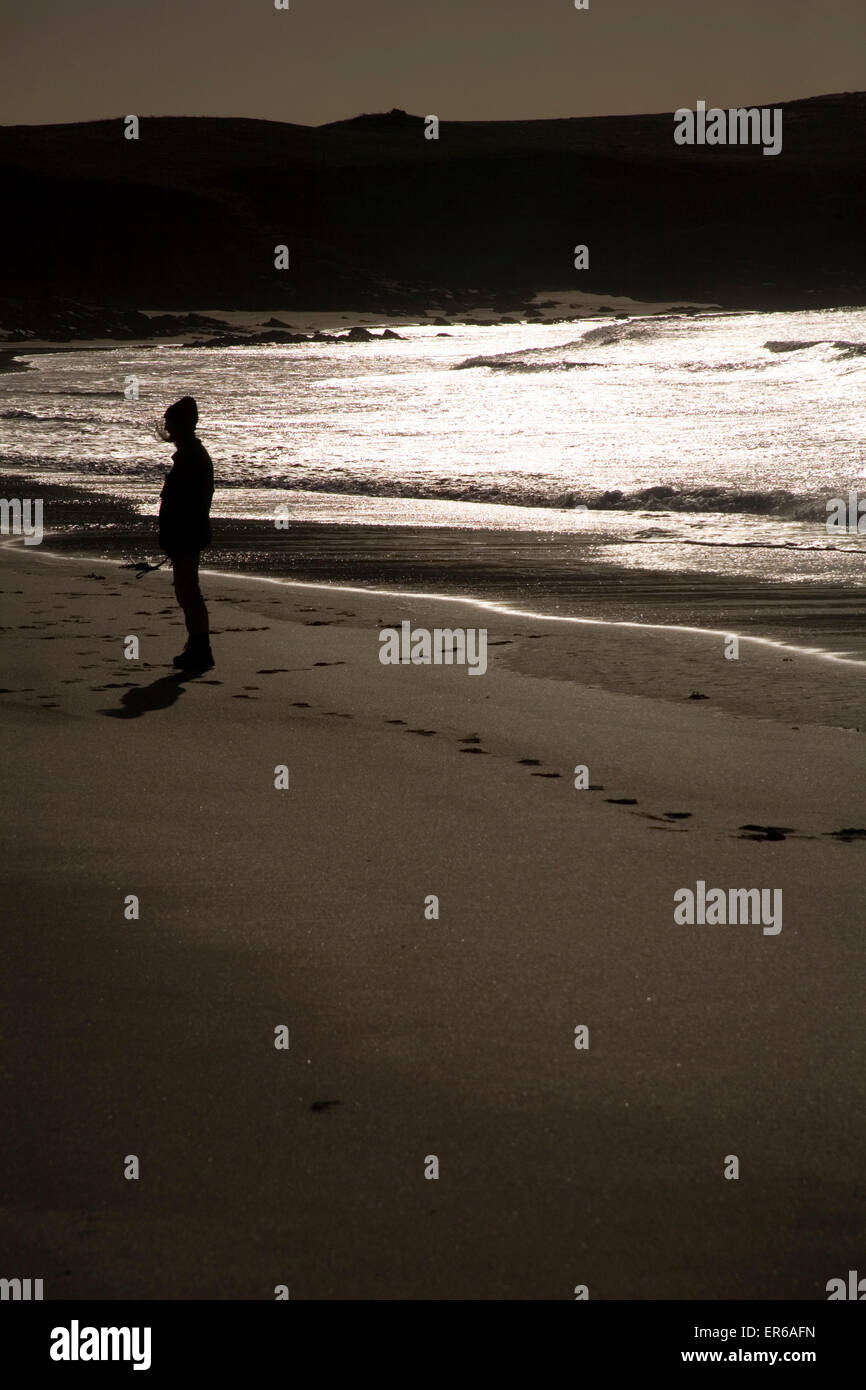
point(196, 656)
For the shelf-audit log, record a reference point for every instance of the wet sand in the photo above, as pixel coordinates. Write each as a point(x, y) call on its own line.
point(566, 575)
point(412, 1037)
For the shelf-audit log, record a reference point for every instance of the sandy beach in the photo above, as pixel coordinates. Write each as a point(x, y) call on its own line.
point(413, 1037)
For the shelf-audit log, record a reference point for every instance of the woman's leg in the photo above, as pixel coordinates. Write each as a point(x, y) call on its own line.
point(189, 595)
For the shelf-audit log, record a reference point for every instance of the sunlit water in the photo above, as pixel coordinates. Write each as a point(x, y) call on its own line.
point(707, 443)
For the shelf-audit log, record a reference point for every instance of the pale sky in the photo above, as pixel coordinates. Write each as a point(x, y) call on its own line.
point(324, 60)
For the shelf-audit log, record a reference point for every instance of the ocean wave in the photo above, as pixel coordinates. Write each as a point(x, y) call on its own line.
point(714, 367)
point(52, 419)
point(524, 362)
point(553, 359)
point(709, 498)
point(504, 364)
point(550, 358)
point(626, 332)
point(842, 346)
point(647, 504)
point(777, 503)
point(792, 344)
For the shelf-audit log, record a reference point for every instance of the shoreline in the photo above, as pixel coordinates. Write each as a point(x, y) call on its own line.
point(678, 661)
point(552, 308)
point(574, 307)
point(500, 608)
point(561, 575)
point(484, 569)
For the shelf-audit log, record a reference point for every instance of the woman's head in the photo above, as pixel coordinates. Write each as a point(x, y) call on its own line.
point(181, 419)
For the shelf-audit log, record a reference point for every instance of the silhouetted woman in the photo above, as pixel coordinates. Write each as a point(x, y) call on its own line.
point(184, 526)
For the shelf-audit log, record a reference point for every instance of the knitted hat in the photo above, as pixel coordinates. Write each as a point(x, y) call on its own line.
point(182, 417)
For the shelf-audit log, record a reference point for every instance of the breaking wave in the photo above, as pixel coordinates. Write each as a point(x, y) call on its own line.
point(550, 358)
point(76, 391)
point(553, 359)
point(778, 503)
point(53, 419)
point(842, 346)
point(505, 363)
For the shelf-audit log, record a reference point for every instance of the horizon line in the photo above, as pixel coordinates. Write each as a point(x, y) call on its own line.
point(396, 111)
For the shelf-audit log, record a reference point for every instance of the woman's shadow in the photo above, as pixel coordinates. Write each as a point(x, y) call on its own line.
point(143, 699)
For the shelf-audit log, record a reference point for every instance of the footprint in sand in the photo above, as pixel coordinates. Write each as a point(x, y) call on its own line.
point(329, 663)
point(336, 714)
point(395, 721)
point(474, 750)
point(321, 1106)
point(529, 762)
point(471, 738)
point(271, 670)
point(621, 800)
point(765, 832)
point(425, 733)
point(666, 819)
point(848, 835)
point(301, 704)
point(545, 774)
